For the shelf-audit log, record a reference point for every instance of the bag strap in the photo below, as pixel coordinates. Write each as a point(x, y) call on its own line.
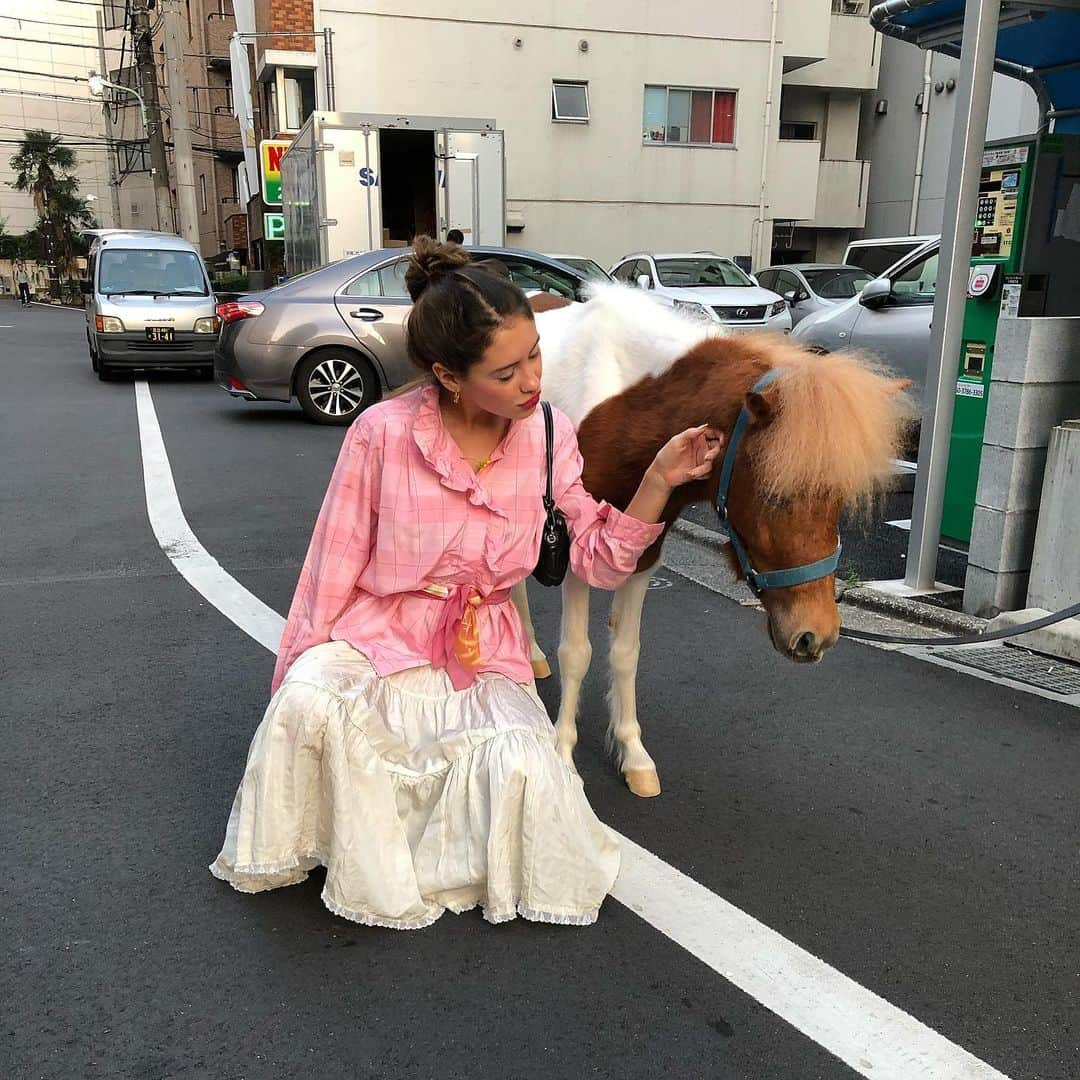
point(549, 433)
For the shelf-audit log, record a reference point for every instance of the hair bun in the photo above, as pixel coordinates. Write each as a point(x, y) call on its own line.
point(430, 263)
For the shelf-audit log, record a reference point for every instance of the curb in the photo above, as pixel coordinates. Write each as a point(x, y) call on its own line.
point(1061, 639)
point(897, 607)
point(909, 610)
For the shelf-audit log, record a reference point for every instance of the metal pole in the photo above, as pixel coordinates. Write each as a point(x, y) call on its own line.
point(183, 161)
point(144, 54)
point(961, 198)
point(114, 179)
point(760, 244)
point(328, 64)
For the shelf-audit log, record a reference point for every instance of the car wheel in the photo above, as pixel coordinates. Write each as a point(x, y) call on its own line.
point(104, 373)
point(94, 363)
point(334, 386)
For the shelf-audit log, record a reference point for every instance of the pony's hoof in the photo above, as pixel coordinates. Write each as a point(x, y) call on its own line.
point(541, 669)
point(643, 782)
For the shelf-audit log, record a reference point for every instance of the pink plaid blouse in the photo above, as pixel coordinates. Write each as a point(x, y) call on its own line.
point(408, 533)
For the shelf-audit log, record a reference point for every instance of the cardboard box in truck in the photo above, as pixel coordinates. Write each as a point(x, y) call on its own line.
point(353, 182)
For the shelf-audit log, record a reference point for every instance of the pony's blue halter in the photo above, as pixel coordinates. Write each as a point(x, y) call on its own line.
point(770, 579)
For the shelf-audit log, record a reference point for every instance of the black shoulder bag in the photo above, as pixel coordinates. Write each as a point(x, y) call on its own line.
point(555, 540)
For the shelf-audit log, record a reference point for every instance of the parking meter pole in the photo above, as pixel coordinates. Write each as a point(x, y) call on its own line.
point(961, 200)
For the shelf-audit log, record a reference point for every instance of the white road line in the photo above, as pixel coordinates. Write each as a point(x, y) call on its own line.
point(197, 566)
point(864, 1031)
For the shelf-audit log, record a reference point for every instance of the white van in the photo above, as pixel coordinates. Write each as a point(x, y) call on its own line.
point(876, 256)
point(149, 304)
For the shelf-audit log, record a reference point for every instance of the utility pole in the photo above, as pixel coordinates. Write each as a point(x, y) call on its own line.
point(159, 163)
point(181, 127)
point(114, 179)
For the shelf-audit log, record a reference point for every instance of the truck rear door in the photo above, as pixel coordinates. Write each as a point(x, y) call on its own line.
point(352, 175)
point(470, 185)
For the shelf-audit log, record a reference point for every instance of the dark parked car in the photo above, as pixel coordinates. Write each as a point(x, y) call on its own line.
point(335, 338)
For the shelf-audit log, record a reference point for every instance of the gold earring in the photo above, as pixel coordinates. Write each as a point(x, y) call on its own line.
point(457, 397)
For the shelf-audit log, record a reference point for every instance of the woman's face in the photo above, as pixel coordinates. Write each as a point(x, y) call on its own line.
point(506, 379)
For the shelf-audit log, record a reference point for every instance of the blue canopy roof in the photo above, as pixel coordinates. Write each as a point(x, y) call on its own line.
point(1038, 42)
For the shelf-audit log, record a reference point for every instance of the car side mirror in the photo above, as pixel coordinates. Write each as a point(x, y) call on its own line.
point(876, 292)
point(792, 297)
point(644, 281)
point(86, 287)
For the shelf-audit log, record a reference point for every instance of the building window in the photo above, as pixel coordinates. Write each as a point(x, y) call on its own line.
point(202, 191)
point(679, 115)
point(570, 102)
point(800, 130)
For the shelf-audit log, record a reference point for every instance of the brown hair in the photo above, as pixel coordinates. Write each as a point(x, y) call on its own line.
point(458, 305)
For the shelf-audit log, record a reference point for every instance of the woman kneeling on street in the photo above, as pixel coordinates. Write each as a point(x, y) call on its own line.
point(405, 748)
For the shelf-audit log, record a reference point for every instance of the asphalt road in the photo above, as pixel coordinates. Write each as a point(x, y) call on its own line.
point(912, 826)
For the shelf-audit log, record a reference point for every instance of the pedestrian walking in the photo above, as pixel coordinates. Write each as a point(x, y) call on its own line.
point(22, 280)
point(405, 747)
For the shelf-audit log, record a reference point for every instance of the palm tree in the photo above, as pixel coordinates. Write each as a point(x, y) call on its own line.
point(41, 159)
point(43, 167)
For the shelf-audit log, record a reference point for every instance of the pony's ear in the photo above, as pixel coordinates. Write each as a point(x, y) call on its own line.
point(762, 406)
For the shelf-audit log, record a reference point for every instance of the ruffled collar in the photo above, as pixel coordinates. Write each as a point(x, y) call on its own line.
point(444, 455)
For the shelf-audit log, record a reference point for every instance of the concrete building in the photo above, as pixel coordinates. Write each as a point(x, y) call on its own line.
point(206, 27)
point(41, 56)
point(627, 125)
point(889, 134)
point(820, 104)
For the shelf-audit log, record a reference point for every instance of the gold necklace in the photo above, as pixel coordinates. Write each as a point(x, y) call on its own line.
point(482, 465)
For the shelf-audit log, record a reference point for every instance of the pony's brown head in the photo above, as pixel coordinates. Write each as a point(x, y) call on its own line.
point(822, 437)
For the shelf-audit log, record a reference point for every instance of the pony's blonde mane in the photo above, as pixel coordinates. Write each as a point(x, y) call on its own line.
point(839, 424)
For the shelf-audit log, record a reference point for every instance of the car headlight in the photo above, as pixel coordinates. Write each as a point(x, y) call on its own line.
point(692, 307)
point(108, 324)
point(777, 308)
point(209, 324)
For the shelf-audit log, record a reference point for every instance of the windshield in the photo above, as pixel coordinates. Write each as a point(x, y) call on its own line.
point(837, 282)
point(139, 272)
point(699, 273)
point(593, 271)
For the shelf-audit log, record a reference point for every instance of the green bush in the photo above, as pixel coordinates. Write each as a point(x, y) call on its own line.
point(230, 282)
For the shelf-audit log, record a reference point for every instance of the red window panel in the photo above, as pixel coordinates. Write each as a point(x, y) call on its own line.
point(723, 124)
point(701, 116)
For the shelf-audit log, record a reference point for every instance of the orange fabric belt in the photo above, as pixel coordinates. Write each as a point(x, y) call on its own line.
point(460, 636)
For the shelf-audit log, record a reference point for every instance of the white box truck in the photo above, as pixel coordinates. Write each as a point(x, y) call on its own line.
point(354, 182)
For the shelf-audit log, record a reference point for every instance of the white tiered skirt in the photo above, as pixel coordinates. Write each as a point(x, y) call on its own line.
point(417, 799)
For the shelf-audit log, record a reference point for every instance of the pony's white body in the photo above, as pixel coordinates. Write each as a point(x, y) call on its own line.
point(593, 352)
point(597, 350)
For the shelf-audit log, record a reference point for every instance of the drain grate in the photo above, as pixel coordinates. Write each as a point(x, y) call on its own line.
point(1047, 673)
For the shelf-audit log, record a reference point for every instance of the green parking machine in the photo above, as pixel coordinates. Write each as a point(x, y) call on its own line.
point(1025, 250)
point(1004, 187)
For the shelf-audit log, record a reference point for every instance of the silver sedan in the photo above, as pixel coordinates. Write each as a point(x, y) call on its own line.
point(335, 338)
point(810, 287)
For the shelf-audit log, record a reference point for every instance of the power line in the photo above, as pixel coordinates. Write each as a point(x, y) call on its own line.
point(46, 22)
point(47, 74)
point(40, 94)
point(60, 44)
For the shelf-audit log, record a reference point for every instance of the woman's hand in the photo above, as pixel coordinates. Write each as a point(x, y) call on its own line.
point(688, 456)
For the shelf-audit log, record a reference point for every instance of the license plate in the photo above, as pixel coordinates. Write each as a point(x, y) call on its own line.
point(159, 333)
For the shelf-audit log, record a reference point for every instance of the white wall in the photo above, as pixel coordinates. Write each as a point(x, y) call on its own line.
point(72, 31)
point(596, 188)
